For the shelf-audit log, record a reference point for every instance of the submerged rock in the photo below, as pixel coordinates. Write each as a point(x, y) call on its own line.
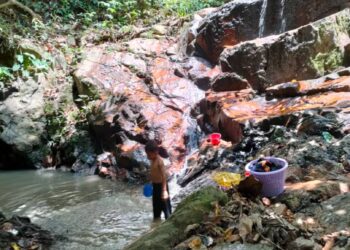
point(190, 211)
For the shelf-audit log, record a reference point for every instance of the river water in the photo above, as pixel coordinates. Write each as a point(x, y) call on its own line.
point(88, 212)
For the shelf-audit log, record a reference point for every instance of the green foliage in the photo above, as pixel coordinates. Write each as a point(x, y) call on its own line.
point(183, 7)
point(87, 108)
point(5, 74)
point(64, 120)
point(120, 12)
point(56, 123)
point(27, 65)
point(66, 9)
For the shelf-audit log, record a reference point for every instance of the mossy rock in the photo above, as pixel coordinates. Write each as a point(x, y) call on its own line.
point(85, 87)
point(7, 50)
point(190, 211)
point(27, 46)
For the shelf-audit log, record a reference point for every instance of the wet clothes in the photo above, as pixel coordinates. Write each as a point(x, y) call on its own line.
point(160, 205)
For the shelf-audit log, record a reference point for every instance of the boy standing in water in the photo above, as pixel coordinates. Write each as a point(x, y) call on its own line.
point(158, 177)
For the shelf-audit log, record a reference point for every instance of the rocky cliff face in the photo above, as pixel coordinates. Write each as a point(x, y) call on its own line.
point(308, 52)
point(35, 128)
point(149, 96)
point(243, 20)
point(146, 89)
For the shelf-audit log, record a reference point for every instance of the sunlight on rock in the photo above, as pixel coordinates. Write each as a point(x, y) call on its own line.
point(344, 187)
point(329, 207)
point(340, 212)
point(314, 143)
point(310, 221)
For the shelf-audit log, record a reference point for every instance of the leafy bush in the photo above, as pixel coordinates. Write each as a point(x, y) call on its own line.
point(5, 74)
point(183, 7)
point(67, 9)
point(26, 65)
point(121, 12)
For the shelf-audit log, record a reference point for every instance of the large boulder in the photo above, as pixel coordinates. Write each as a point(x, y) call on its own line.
point(35, 130)
point(22, 125)
point(244, 20)
point(190, 211)
point(143, 95)
point(308, 52)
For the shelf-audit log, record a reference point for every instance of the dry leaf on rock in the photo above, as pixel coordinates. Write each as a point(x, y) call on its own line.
point(230, 237)
point(245, 226)
point(195, 243)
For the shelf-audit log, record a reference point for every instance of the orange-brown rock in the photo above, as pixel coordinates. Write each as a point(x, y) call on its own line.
point(239, 21)
point(229, 111)
point(142, 98)
point(301, 88)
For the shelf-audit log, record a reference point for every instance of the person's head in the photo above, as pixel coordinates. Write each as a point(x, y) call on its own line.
point(152, 150)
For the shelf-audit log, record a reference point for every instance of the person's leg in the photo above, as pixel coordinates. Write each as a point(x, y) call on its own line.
point(166, 206)
point(157, 200)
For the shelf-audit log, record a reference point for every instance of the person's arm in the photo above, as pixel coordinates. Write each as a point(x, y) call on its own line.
point(165, 194)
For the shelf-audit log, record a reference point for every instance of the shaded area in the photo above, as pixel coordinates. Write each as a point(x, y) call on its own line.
point(11, 159)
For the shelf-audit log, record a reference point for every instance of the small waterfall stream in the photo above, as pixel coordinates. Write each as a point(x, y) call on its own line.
point(262, 19)
point(283, 20)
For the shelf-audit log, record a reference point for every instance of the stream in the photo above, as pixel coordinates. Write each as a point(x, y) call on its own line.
point(87, 212)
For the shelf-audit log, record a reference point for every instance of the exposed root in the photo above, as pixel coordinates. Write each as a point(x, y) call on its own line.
point(14, 3)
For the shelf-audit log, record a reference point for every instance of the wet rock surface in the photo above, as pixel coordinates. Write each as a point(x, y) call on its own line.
point(240, 21)
point(144, 95)
point(19, 233)
point(231, 111)
point(308, 52)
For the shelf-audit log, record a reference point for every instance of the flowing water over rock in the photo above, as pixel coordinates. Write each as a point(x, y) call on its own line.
point(262, 19)
point(88, 212)
point(283, 20)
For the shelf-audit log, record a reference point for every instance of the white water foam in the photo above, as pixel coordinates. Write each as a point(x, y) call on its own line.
point(262, 19)
point(283, 20)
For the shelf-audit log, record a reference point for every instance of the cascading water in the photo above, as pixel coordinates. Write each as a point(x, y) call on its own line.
point(283, 20)
point(262, 19)
point(194, 135)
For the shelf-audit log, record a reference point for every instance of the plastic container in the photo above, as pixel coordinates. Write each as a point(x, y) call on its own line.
point(274, 181)
point(215, 139)
point(148, 190)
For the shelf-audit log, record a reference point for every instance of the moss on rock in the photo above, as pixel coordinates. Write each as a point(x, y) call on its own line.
point(325, 63)
point(190, 211)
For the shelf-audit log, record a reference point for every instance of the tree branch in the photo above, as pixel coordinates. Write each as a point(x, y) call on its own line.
point(11, 3)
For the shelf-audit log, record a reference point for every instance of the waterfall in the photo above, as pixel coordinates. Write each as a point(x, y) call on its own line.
point(262, 18)
point(283, 20)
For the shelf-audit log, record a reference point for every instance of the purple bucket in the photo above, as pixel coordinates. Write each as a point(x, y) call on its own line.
point(273, 182)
